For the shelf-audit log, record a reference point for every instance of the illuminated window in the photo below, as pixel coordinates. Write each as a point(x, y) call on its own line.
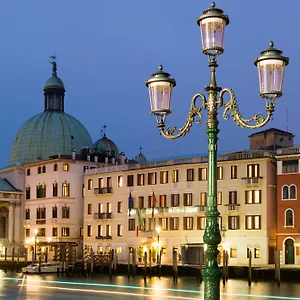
point(65, 167)
point(100, 249)
point(120, 181)
point(108, 230)
point(190, 175)
point(219, 198)
point(187, 199)
point(253, 222)
point(163, 177)
point(89, 208)
point(219, 173)
point(174, 223)
point(188, 223)
point(163, 223)
point(233, 251)
point(203, 198)
point(119, 250)
point(233, 222)
point(65, 231)
point(66, 189)
point(162, 201)
point(202, 174)
point(253, 197)
point(109, 182)
point(175, 177)
point(100, 230)
point(119, 230)
point(256, 252)
point(253, 170)
point(140, 179)
point(201, 223)
point(234, 172)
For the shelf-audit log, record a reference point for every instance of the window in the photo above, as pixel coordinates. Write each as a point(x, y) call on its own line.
point(289, 192)
point(90, 184)
point(109, 182)
point(39, 170)
point(219, 198)
point(28, 192)
point(89, 208)
point(28, 172)
point(54, 189)
point(43, 169)
point(163, 177)
point(233, 197)
point(120, 181)
point(54, 212)
point(163, 223)
point(100, 231)
point(65, 212)
point(119, 230)
point(27, 232)
point(253, 222)
point(89, 230)
point(65, 231)
point(234, 172)
point(41, 213)
point(233, 251)
point(174, 223)
point(187, 199)
point(202, 174)
point(100, 183)
point(253, 197)
point(219, 173)
point(131, 224)
point(256, 252)
point(187, 223)
point(100, 208)
point(290, 166)
point(190, 175)
point(175, 176)
point(152, 201)
point(41, 232)
point(141, 202)
point(253, 170)
point(41, 191)
point(162, 201)
point(140, 179)
point(108, 230)
point(55, 167)
point(120, 207)
point(130, 180)
point(233, 222)
point(27, 214)
point(152, 178)
point(65, 167)
point(108, 207)
point(66, 189)
point(203, 199)
point(175, 200)
point(201, 223)
point(289, 218)
point(54, 231)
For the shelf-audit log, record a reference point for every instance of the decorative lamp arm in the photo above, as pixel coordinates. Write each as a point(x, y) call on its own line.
point(257, 120)
point(193, 112)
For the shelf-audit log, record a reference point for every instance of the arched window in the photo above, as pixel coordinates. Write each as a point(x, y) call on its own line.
point(292, 192)
point(66, 189)
point(289, 218)
point(285, 192)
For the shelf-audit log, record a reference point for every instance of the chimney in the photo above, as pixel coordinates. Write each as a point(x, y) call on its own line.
point(58, 154)
point(88, 157)
point(73, 154)
point(113, 160)
point(122, 158)
point(96, 158)
point(106, 160)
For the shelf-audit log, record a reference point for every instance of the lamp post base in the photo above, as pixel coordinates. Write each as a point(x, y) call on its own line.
point(211, 277)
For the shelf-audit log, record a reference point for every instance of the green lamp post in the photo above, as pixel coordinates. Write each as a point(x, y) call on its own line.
point(270, 66)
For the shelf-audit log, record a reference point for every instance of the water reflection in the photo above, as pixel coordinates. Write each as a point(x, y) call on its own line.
point(36, 287)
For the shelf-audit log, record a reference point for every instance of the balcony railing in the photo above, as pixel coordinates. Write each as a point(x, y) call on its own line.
point(162, 210)
point(103, 237)
point(232, 207)
point(102, 191)
point(101, 216)
point(201, 208)
point(252, 180)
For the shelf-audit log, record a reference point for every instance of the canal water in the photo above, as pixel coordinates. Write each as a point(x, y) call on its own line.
point(41, 287)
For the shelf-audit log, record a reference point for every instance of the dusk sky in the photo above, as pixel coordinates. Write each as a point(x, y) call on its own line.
point(107, 49)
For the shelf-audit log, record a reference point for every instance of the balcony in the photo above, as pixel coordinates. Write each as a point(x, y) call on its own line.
point(232, 207)
point(250, 181)
point(102, 216)
point(102, 191)
point(103, 237)
point(162, 210)
point(201, 208)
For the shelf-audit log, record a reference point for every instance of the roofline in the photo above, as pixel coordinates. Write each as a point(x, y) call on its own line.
point(272, 130)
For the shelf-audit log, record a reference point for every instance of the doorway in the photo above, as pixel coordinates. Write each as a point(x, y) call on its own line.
point(289, 252)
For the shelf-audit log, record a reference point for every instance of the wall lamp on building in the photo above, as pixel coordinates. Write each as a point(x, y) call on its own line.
point(270, 64)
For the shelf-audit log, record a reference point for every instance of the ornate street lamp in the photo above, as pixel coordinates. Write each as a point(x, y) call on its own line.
point(270, 66)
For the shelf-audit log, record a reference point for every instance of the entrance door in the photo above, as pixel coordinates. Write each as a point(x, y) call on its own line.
point(289, 252)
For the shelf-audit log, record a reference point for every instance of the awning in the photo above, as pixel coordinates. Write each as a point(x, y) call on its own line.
point(148, 242)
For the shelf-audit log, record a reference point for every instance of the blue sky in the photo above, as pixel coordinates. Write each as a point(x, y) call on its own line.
point(107, 49)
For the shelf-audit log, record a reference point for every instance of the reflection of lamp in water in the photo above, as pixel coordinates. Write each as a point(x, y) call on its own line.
point(158, 229)
point(35, 235)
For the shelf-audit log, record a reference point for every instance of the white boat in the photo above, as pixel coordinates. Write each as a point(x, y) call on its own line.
point(49, 267)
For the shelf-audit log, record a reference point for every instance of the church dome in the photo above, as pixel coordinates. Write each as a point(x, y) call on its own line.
point(141, 158)
point(51, 132)
point(107, 146)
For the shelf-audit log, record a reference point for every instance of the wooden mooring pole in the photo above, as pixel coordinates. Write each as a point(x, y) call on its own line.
point(175, 266)
point(250, 268)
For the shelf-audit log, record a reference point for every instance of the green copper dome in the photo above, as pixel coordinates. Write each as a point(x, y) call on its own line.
point(106, 145)
point(51, 132)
